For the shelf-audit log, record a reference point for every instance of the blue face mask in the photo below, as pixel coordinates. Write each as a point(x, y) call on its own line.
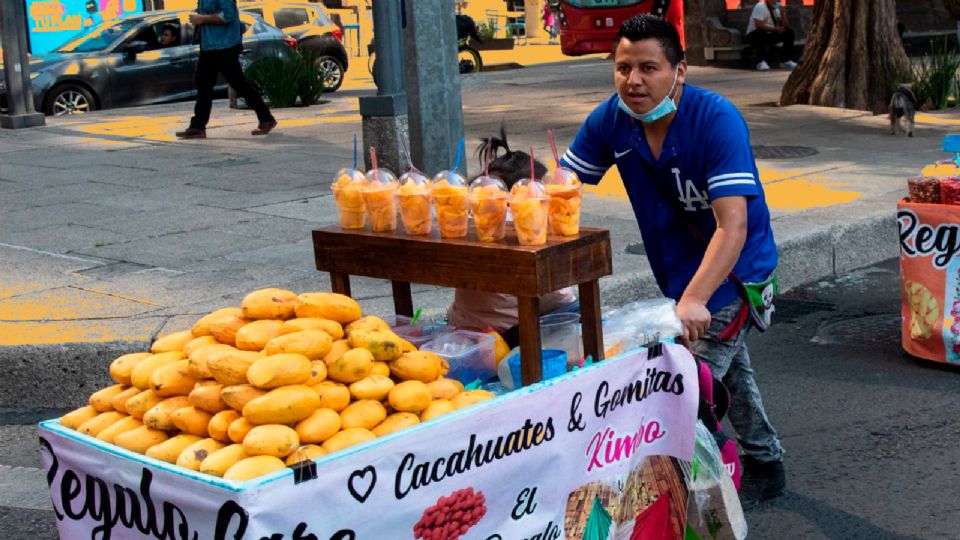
point(664, 108)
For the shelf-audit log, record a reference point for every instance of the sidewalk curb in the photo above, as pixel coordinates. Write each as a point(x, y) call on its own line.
point(65, 374)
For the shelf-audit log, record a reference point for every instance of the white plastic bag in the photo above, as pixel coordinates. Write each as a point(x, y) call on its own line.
point(639, 324)
point(713, 508)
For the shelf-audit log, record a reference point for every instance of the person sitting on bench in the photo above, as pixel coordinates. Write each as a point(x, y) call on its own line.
point(767, 28)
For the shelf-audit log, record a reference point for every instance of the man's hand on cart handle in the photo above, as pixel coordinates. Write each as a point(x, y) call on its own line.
point(695, 318)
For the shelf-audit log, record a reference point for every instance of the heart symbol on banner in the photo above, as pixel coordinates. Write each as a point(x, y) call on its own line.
point(357, 480)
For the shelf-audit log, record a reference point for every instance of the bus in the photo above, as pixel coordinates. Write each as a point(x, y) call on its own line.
point(589, 26)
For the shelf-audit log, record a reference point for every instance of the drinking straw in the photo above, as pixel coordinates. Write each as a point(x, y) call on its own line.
point(456, 164)
point(486, 158)
point(474, 385)
point(406, 156)
point(416, 316)
point(373, 161)
point(354, 150)
point(553, 146)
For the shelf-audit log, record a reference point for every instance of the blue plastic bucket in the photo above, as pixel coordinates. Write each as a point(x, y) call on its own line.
point(554, 365)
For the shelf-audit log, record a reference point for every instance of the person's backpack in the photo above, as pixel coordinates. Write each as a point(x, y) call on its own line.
point(714, 403)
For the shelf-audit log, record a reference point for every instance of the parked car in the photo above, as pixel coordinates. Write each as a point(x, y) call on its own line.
point(122, 63)
point(314, 31)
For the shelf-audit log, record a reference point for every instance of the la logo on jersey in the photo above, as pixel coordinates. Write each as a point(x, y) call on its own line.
point(689, 195)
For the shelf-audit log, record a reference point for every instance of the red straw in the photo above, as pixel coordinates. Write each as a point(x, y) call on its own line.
point(553, 146)
point(373, 160)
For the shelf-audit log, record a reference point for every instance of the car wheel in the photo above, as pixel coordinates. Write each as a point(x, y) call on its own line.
point(69, 99)
point(331, 71)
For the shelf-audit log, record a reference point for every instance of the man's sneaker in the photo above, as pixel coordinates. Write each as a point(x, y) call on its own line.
point(763, 66)
point(789, 64)
point(192, 133)
point(762, 481)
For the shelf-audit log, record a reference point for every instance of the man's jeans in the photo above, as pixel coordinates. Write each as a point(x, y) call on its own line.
point(730, 363)
point(227, 62)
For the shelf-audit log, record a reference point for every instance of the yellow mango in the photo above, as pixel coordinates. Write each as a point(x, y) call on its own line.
point(193, 455)
point(238, 395)
point(318, 373)
point(119, 401)
point(197, 343)
point(140, 375)
point(381, 368)
point(100, 422)
point(365, 413)
point(75, 418)
point(271, 440)
point(253, 467)
point(269, 304)
point(384, 344)
point(202, 326)
point(333, 395)
point(225, 328)
point(238, 429)
point(219, 461)
point(354, 365)
point(161, 415)
point(332, 328)
point(173, 379)
point(255, 335)
point(314, 344)
point(406, 346)
point(208, 397)
point(319, 426)
point(123, 425)
point(337, 349)
point(140, 439)
point(220, 424)
point(327, 305)
point(139, 404)
point(417, 366)
point(192, 420)
point(470, 397)
point(347, 438)
point(279, 370)
point(170, 449)
point(370, 322)
point(437, 407)
point(102, 400)
point(396, 422)
point(172, 342)
point(230, 368)
point(444, 388)
point(500, 347)
point(200, 358)
point(305, 452)
point(121, 368)
point(410, 396)
point(284, 405)
point(371, 387)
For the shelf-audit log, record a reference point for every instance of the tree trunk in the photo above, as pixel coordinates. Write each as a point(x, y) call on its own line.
point(852, 55)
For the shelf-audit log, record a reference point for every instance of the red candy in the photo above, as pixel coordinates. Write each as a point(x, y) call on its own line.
point(452, 516)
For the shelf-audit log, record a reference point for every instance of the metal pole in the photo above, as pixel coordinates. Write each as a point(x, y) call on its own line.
point(16, 68)
point(385, 115)
point(433, 84)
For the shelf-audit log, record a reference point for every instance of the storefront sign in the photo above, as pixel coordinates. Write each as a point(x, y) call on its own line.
point(52, 22)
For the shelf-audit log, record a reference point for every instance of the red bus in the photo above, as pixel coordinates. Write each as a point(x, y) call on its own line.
point(589, 26)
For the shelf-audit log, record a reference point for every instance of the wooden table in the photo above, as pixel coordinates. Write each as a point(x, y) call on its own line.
point(527, 272)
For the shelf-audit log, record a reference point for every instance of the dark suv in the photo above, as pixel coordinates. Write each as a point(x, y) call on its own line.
point(314, 31)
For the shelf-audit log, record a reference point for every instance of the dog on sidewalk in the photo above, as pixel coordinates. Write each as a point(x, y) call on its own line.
point(903, 108)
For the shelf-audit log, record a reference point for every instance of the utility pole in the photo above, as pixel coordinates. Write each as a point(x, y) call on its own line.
point(433, 84)
point(16, 68)
point(385, 115)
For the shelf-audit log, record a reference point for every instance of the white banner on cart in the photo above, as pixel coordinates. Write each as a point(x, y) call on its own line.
point(532, 464)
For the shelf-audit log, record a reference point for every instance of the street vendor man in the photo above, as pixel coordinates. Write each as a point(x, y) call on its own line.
point(685, 159)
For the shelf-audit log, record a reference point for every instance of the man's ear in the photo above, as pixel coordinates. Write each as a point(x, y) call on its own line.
point(681, 72)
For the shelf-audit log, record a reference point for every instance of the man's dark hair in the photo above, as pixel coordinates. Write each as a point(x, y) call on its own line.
point(650, 26)
point(174, 31)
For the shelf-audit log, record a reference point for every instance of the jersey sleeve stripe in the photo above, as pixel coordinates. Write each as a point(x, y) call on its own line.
point(733, 183)
point(585, 166)
point(729, 176)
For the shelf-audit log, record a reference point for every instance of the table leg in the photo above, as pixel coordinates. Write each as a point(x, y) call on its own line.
point(590, 319)
point(531, 365)
point(340, 283)
point(402, 298)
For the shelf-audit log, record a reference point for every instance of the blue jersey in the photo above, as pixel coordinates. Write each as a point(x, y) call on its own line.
point(706, 155)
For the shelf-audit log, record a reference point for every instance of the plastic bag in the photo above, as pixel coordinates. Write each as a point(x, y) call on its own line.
point(713, 508)
point(639, 324)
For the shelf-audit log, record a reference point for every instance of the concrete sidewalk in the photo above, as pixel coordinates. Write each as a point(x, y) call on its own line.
point(111, 232)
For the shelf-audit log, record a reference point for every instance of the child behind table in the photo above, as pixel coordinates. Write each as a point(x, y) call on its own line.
point(477, 310)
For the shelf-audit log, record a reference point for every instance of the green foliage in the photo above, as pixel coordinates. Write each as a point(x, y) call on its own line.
point(933, 78)
point(284, 79)
point(487, 30)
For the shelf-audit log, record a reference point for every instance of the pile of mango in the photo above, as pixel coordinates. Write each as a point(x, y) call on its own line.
point(284, 377)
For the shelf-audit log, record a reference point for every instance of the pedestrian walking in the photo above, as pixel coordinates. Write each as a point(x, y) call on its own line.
point(221, 42)
point(685, 159)
point(549, 21)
